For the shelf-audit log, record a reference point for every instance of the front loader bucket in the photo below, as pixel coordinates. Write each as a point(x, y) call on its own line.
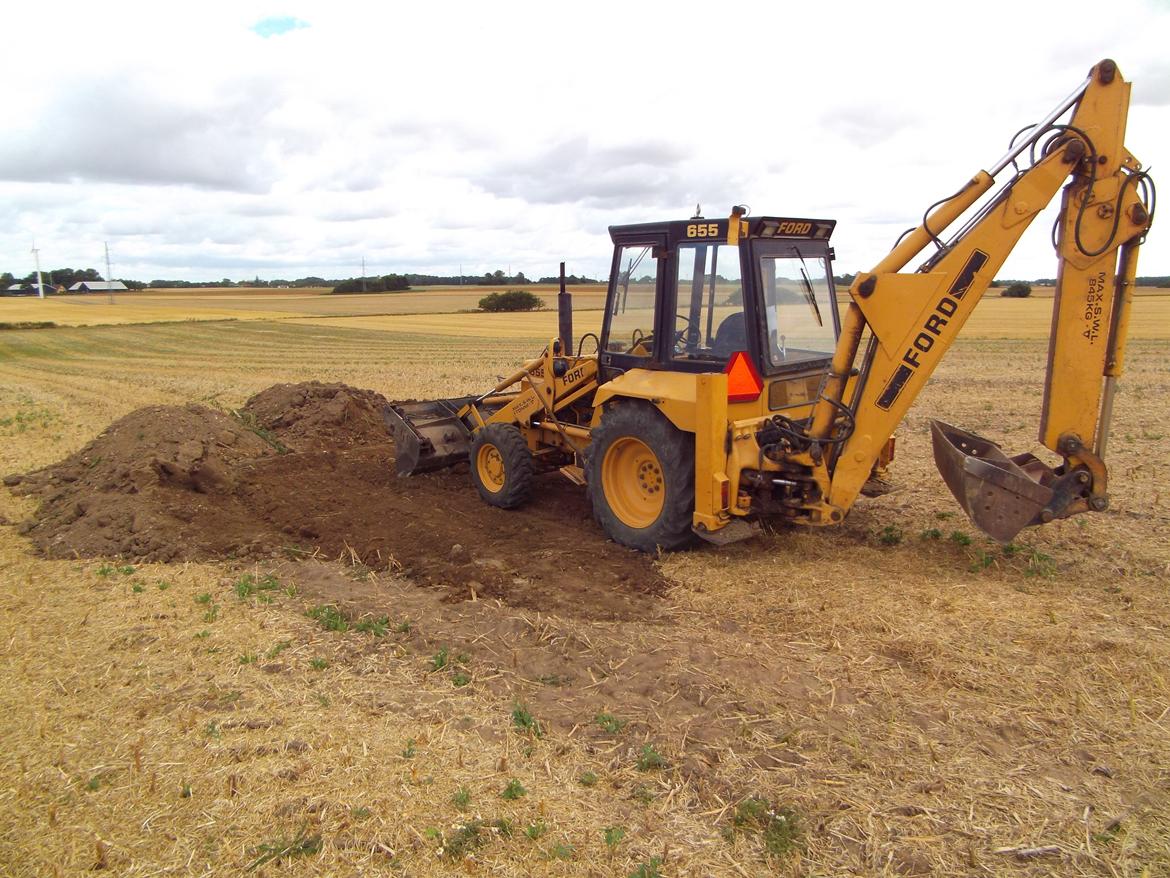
point(1002, 495)
point(427, 435)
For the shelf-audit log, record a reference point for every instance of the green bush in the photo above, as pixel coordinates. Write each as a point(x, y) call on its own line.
point(1016, 291)
point(513, 300)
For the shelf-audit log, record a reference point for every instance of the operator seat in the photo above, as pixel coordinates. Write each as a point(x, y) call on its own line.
point(731, 336)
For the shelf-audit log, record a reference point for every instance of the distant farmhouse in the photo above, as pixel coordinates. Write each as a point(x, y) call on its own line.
point(25, 290)
point(97, 286)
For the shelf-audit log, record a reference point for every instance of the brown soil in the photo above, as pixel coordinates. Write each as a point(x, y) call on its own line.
point(566, 675)
point(308, 470)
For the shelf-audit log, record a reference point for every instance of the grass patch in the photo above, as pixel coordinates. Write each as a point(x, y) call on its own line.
point(559, 851)
point(329, 617)
point(648, 869)
point(982, 561)
point(777, 826)
point(609, 722)
point(514, 790)
point(378, 626)
point(300, 845)
point(1039, 564)
point(650, 759)
point(613, 836)
point(525, 721)
point(249, 585)
point(471, 836)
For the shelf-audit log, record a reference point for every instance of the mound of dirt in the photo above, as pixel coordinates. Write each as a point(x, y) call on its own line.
point(308, 470)
point(143, 488)
point(316, 415)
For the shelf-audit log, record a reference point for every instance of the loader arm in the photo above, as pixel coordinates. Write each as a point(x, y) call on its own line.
point(914, 317)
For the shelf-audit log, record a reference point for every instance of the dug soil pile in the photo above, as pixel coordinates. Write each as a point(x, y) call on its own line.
point(308, 470)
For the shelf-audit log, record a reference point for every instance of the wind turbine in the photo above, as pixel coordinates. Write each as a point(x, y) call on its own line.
point(37, 256)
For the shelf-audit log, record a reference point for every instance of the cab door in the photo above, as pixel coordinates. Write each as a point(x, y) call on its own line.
point(633, 325)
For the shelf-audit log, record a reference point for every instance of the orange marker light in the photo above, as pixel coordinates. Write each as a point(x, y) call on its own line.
point(743, 381)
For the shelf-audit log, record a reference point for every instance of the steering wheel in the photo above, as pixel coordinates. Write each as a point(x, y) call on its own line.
point(690, 333)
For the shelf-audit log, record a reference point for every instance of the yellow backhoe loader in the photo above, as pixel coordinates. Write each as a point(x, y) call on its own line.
point(726, 386)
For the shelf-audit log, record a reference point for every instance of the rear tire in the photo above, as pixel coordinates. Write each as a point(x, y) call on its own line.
point(501, 465)
point(640, 469)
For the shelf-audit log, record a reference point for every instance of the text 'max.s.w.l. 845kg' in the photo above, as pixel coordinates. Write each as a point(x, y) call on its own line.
point(726, 386)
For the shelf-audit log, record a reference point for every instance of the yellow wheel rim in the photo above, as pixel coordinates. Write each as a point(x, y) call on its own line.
point(490, 467)
point(632, 480)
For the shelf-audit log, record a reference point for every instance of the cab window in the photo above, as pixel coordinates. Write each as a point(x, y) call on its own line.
point(631, 318)
point(708, 320)
point(799, 308)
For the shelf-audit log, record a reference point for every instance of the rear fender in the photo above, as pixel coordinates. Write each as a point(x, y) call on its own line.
point(673, 393)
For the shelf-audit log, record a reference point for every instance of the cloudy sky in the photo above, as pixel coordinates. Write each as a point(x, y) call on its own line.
point(286, 139)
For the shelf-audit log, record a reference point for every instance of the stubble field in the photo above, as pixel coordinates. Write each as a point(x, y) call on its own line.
point(894, 696)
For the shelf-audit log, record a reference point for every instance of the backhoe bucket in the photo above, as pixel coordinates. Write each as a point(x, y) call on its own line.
point(427, 435)
point(1002, 495)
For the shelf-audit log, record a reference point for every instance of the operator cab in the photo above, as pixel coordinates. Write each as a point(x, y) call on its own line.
point(682, 298)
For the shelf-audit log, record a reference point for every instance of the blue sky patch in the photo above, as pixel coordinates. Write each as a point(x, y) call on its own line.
point(276, 25)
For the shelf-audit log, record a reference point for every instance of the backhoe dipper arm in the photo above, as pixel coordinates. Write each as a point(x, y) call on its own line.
point(915, 317)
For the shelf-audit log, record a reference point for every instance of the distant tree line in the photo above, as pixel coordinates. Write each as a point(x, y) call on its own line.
point(67, 277)
point(228, 282)
point(387, 283)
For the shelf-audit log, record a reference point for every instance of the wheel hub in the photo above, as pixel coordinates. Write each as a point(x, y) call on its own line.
point(633, 482)
point(490, 466)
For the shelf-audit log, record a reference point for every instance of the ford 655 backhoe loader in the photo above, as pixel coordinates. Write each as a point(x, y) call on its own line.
point(726, 386)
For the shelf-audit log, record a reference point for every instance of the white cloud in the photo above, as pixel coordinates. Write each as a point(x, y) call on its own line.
point(428, 136)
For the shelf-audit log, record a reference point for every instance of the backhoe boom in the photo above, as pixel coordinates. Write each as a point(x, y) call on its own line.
point(915, 317)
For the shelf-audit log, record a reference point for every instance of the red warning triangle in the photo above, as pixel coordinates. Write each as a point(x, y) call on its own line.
point(743, 381)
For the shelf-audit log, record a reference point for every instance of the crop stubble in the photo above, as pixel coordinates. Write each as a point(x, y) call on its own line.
point(921, 702)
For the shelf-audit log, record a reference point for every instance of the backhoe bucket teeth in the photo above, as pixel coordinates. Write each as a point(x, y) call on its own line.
point(427, 435)
point(1002, 495)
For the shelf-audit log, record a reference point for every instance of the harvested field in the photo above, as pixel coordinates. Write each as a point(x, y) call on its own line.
point(147, 306)
point(897, 696)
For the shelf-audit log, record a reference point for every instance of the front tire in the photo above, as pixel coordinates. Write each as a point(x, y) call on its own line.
point(640, 470)
point(501, 465)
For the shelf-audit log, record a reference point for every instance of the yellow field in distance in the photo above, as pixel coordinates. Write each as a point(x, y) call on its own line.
point(450, 311)
point(153, 306)
point(994, 318)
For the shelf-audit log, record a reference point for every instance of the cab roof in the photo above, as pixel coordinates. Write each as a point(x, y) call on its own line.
point(699, 229)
